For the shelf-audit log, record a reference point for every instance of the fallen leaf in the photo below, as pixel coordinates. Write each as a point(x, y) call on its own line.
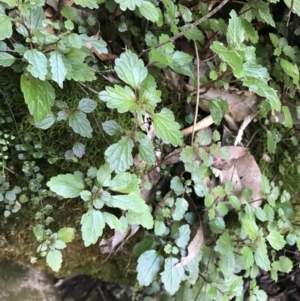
point(235, 153)
point(244, 173)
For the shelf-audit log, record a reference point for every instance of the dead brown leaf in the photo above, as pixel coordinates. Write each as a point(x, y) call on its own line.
point(236, 152)
point(245, 173)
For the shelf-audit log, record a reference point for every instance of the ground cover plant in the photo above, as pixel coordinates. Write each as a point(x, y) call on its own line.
point(169, 128)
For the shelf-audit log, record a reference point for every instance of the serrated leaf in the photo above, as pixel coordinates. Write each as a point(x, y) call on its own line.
point(288, 121)
point(149, 11)
point(261, 88)
point(47, 122)
point(285, 264)
point(124, 182)
point(104, 175)
point(78, 149)
point(276, 240)
point(80, 124)
point(260, 214)
point(194, 34)
point(184, 236)
point(170, 277)
point(254, 70)
point(234, 202)
point(224, 244)
point(112, 221)
point(131, 69)
point(291, 70)
point(111, 127)
point(66, 234)
point(87, 105)
point(218, 108)
point(166, 128)
point(38, 63)
point(262, 260)
point(250, 31)
point(248, 257)
point(39, 97)
point(159, 228)
point(68, 185)
point(87, 3)
point(92, 225)
point(132, 202)
point(59, 244)
point(250, 226)
point(271, 142)
point(119, 155)
point(149, 264)
point(5, 27)
point(229, 56)
point(177, 186)
point(58, 68)
point(227, 264)
point(235, 32)
point(6, 59)
point(145, 219)
point(122, 99)
point(294, 6)
point(99, 45)
point(54, 259)
point(148, 243)
point(129, 4)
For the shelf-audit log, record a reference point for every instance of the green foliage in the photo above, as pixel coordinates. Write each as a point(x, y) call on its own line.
point(143, 117)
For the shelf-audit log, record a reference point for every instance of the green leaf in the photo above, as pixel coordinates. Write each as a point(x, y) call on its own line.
point(260, 214)
point(227, 264)
point(224, 244)
point(248, 258)
point(87, 3)
point(92, 225)
point(148, 243)
point(99, 45)
point(39, 97)
point(129, 4)
point(122, 99)
point(250, 226)
point(112, 221)
point(66, 234)
point(291, 70)
point(104, 175)
point(47, 122)
point(181, 206)
point(38, 63)
point(177, 186)
point(261, 88)
point(78, 149)
point(59, 244)
point(194, 34)
point(87, 105)
point(68, 185)
point(58, 68)
point(250, 31)
point(285, 264)
point(119, 155)
point(276, 240)
point(254, 70)
point(269, 212)
point(229, 56)
point(145, 219)
point(218, 108)
point(54, 259)
point(288, 121)
point(234, 202)
point(262, 259)
point(6, 59)
point(146, 149)
point(160, 228)
point(170, 277)
point(77, 69)
point(204, 137)
point(166, 128)
point(235, 32)
point(132, 202)
point(5, 27)
point(111, 127)
point(130, 69)
point(264, 13)
point(271, 142)
point(149, 11)
point(149, 264)
point(80, 124)
point(294, 5)
point(184, 236)
point(124, 182)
